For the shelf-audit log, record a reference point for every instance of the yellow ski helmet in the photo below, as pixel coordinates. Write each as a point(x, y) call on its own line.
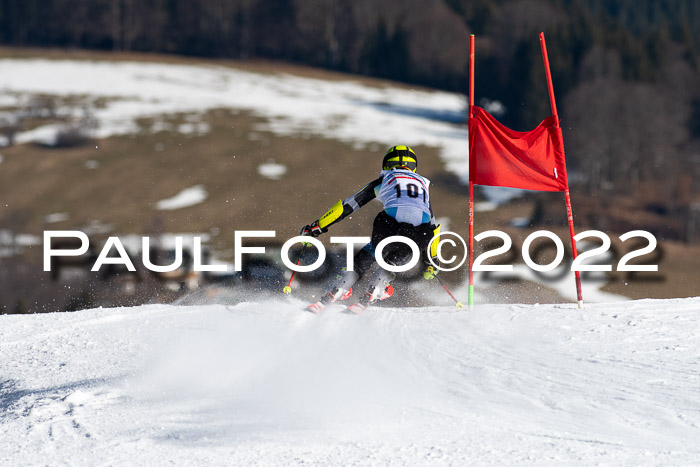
point(400, 156)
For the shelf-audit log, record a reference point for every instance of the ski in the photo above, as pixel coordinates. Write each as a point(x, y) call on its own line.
point(355, 309)
point(317, 307)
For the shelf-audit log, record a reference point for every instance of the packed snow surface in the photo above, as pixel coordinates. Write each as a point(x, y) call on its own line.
point(266, 384)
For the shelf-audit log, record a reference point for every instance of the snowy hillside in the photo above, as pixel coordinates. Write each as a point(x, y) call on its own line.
point(262, 383)
point(121, 93)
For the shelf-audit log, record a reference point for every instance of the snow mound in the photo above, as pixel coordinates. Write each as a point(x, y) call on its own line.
point(272, 170)
point(184, 199)
point(265, 383)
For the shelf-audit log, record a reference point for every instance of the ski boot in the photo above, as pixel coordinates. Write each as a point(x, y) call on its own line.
point(381, 289)
point(342, 290)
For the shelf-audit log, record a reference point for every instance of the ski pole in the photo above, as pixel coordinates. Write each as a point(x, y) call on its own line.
point(458, 304)
point(287, 290)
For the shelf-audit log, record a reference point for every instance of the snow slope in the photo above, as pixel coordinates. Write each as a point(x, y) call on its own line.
point(265, 384)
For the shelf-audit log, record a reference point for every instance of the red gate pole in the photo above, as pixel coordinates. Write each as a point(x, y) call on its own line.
point(470, 251)
point(567, 197)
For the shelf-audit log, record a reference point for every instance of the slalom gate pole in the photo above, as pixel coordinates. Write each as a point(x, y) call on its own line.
point(567, 197)
point(470, 249)
point(458, 304)
point(287, 290)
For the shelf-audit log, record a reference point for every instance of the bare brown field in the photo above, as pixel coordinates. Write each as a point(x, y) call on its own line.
point(134, 172)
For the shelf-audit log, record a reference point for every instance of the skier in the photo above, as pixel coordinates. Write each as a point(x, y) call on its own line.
point(407, 212)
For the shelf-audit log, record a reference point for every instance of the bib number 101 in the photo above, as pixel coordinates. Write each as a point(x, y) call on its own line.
point(577, 265)
point(412, 190)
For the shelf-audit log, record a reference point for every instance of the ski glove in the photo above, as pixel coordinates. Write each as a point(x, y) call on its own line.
point(313, 230)
point(430, 273)
point(430, 270)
